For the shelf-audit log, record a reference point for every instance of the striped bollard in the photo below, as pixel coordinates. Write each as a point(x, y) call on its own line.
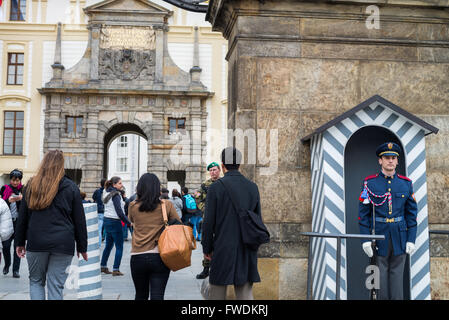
point(89, 271)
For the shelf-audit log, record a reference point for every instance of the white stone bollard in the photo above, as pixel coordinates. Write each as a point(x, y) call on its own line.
point(89, 281)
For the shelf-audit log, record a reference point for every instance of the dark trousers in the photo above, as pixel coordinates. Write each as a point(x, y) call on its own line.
point(7, 252)
point(186, 218)
point(149, 273)
point(391, 269)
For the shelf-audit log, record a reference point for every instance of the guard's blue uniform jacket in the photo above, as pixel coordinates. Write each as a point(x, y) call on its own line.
point(401, 225)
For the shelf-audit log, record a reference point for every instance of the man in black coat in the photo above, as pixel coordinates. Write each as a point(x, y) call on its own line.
point(232, 262)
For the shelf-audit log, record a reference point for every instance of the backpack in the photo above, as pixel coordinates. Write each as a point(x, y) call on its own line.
point(190, 203)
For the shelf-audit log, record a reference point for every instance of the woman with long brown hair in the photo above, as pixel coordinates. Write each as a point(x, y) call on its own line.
point(51, 220)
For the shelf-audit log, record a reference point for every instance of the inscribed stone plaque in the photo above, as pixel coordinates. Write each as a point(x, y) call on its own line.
point(127, 53)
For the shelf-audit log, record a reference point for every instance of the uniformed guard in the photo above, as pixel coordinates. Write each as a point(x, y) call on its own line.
point(395, 212)
point(214, 171)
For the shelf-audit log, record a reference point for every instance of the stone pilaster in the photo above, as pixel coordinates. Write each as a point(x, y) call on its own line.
point(295, 65)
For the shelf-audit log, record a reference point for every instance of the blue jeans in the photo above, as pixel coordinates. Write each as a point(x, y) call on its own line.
point(114, 236)
point(100, 226)
point(125, 231)
point(195, 221)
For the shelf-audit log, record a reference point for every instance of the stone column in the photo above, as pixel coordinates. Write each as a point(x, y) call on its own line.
point(195, 168)
point(92, 166)
point(161, 34)
point(156, 145)
point(53, 122)
point(295, 65)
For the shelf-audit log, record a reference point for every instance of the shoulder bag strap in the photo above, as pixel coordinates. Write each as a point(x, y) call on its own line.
point(230, 196)
point(164, 212)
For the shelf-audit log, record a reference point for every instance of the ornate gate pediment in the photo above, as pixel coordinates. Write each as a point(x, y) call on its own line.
point(124, 5)
point(126, 79)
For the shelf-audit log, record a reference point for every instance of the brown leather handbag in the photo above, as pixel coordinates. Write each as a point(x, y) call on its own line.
point(176, 244)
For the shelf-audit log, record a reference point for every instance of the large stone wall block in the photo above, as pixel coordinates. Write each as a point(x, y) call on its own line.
point(280, 198)
point(438, 55)
point(274, 229)
point(275, 49)
point(360, 51)
point(270, 250)
point(433, 31)
point(439, 281)
point(274, 83)
point(356, 29)
point(324, 85)
point(268, 288)
point(438, 197)
point(439, 243)
point(286, 127)
point(437, 145)
point(246, 70)
point(293, 279)
point(262, 25)
point(419, 88)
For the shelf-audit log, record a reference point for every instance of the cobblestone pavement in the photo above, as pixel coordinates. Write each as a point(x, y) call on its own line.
point(182, 284)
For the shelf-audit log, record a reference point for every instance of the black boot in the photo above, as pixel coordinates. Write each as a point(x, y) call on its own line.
point(5, 270)
point(204, 274)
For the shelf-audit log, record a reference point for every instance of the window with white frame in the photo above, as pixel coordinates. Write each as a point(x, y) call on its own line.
point(122, 154)
point(17, 10)
point(13, 133)
point(15, 68)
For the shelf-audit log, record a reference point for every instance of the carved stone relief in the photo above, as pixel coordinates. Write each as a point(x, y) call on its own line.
point(127, 64)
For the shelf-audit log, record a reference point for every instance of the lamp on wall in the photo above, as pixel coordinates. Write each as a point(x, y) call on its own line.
point(190, 5)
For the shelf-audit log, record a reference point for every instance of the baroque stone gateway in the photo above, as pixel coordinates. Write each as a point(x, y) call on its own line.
point(126, 82)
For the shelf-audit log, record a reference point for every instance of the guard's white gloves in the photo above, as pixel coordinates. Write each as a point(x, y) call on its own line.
point(367, 248)
point(409, 247)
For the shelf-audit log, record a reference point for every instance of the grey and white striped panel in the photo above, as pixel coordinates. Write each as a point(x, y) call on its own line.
point(90, 287)
point(330, 183)
point(318, 244)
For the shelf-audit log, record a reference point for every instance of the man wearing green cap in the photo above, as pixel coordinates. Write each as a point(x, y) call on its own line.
point(214, 171)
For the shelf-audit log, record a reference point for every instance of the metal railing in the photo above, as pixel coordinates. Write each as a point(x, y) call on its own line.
point(338, 236)
point(446, 232)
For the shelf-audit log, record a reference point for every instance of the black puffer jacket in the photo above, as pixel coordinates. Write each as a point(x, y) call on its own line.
point(56, 228)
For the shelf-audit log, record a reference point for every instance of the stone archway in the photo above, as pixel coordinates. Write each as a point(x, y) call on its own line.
point(114, 132)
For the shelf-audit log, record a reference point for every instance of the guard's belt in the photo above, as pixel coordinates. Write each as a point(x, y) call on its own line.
point(389, 220)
